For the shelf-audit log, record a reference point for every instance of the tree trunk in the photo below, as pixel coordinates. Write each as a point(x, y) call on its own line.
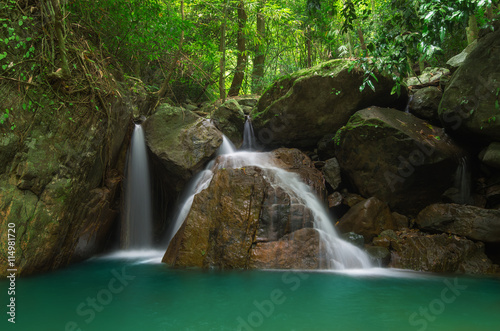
point(222, 49)
point(260, 56)
point(362, 40)
point(58, 21)
point(309, 47)
point(472, 29)
point(241, 61)
point(171, 70)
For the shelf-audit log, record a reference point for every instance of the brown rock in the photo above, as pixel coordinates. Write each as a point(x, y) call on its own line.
point(368, 218)
point(439, 253)
point(298, 250)
point(469, 221)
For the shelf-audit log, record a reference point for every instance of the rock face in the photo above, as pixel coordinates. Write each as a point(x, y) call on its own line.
point(439, 253)
point(468, 221)
point(430, 76)
point(242, 220)
point(58, 187)
point(182, 142)
point(425, 104)
point(491, 155)
point(397, 158)
point(331, 171)
point(470, 101)
point(367, 218)
point(298, 250)
point(230, 120)
point(300, 109)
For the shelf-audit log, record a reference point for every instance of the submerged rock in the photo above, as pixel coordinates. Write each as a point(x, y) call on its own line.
point(470, 103)
point(243, 220)
point(468, 221)
point(439, 253)
point(182, 142)
point(298, 110)
point(396, 157)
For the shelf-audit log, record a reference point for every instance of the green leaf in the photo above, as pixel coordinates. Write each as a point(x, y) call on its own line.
point(20, 22)
point(369, 82)
point(3, 55)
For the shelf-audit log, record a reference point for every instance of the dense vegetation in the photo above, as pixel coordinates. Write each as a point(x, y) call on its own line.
point(201, 50)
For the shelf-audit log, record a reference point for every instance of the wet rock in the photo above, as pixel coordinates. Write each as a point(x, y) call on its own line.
point(470, 101)
point(354, 238)
point(298, 250)
point(244, 220)
point(182, 142)
point(397, 158)
point(379, 254)
point(229, 118)
point(491, 155)
point(331, 171)
point(298, 110)
point(439, 253)
point(425, 104)
point(368, 218)
point(334, 199)
point(468, 221)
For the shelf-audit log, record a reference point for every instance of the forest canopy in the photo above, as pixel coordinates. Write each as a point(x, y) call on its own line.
point(204, 50)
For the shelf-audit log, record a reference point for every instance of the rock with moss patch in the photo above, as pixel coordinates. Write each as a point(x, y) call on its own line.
point(471, 101)
point(397, 158)
point(182, 142)
point(298, 110)
point(229, 118)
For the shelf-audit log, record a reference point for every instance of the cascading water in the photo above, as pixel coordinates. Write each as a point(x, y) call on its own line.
point(249, 141)
point(137, 215)
point(463, 181)
point(197, 184)
point(335, 252)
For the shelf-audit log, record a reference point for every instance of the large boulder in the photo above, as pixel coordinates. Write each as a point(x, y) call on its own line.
point(425, 103)
point(230, 120)
point(396, 157)
point(244, 220)
point(439, 253)
point(470, 103)
point(182, 141)
point(59, 182)
point(491, 155)
point(468, 221)
point(367, 218)
point(298, 110)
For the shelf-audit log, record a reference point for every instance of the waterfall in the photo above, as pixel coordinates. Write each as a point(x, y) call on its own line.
point(137, 215)
point(463, 181)
point(249, 141)
point(335, 252)
point(197, 184)
point(407, 108)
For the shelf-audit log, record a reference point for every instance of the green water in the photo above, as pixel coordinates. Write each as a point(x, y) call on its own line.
point(132, 295)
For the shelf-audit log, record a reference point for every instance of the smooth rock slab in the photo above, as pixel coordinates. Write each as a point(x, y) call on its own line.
point(468, 221)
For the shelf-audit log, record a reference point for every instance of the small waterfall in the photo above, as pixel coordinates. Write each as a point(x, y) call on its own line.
point(197, 184)
point(336, 253)
point(407, 109)
point(137, 215)
point(249, 141)
point(463, 182)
